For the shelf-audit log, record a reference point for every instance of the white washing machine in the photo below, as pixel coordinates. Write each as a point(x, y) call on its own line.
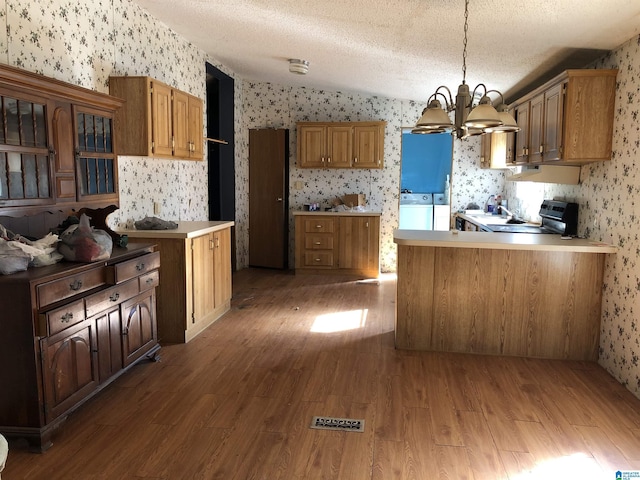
point(416, 211)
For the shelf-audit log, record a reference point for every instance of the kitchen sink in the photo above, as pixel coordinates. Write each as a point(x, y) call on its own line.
point(512, 228)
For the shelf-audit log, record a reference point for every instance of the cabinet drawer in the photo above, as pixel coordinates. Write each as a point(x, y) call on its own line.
point(149, 280)
point(318, 242)
point(318, 225)
point(57, 290)
point(133, 268)
point(61, 318)
point(318, 259)
point(109, 297)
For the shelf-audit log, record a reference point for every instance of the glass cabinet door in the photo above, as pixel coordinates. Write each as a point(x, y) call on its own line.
point(25, 167)
point(95, 158)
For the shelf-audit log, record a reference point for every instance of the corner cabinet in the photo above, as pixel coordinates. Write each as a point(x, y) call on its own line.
point(70, 329)
point(195, 280)
point(341, 144)
point(568, 120)
point(57, 146)
point(338, 243)
point(157, 120)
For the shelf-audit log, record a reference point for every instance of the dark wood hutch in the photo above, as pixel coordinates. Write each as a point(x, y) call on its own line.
point(68, 329)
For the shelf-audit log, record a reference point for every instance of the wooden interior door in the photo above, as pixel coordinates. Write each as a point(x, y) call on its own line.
point(268, 198)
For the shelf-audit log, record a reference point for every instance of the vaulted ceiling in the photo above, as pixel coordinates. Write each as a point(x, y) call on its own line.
point(401, 48)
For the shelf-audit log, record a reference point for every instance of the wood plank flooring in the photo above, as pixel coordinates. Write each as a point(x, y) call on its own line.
point(236, 403)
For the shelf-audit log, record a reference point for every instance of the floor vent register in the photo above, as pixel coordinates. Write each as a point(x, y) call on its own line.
point(340, 424)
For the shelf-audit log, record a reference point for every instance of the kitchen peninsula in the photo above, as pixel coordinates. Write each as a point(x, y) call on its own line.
point(499, 293)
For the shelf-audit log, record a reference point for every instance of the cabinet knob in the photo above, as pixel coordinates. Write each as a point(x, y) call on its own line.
point(328, 159)
point(140, 267)
point(76, 285)
point(114, 297)
point(317, 259)
point(318, 243)
point(355, 160)
point(279, 199)
point(318, 226)
point(67, 317)
point(541, 149)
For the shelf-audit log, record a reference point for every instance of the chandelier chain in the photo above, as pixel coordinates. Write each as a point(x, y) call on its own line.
point(464, 49)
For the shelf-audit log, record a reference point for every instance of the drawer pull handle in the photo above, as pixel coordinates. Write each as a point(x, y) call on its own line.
point(318, 226)
point(140, 266)
point(67, 317)
point(76, 285)
point(149, 281)
point(317, 259)
point(318, 243)
point(114, 297)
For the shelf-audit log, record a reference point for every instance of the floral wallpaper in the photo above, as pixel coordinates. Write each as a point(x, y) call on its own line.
point(84, 43)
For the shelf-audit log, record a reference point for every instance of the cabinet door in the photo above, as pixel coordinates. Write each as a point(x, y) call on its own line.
point(497, 150)
point(139, 327)
point(25, 166)
point(69, 368)
point(368, 146)
point(522, 137)
point(182, 141)
point(203, 280)
point(222, 267)
point(312, 144)
point(536, 129)
point(359, 243)
point(339, 146)
point(196, 139)
point(109, 340)
point(553, 122)
point(161, 119)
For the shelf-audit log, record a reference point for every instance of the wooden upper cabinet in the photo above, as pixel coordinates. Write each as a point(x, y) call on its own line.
point(340, 144)
point(161, 120)
point(312, 146)
point(568, 119)
point(497, 150)
point(522, 137)
point(158, 120)
point(536, 125)
point(44, 147)
point(368, 146)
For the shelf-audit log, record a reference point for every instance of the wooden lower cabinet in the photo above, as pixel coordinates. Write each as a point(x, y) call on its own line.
point(195, 279)
point(69, 330)
point(338, 244)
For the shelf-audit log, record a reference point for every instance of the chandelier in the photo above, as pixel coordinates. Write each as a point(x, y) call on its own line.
point(469, 120)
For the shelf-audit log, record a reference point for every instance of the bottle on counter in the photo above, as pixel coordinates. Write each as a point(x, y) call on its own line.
point(490, 205)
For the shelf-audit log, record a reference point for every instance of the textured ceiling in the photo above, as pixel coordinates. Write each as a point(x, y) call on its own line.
point(401, 48)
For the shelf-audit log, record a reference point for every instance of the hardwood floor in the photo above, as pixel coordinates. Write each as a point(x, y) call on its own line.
point(236, 403)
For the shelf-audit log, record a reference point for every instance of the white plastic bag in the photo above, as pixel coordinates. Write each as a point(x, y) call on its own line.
point(12, 257)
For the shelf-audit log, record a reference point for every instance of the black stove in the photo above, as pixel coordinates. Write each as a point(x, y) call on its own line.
point(557, 218)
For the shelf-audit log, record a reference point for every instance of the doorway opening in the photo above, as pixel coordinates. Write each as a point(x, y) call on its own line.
point(221, 156)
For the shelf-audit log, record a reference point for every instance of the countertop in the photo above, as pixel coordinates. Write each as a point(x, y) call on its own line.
point(499, 240)
point(338, 214)
point(184, 230)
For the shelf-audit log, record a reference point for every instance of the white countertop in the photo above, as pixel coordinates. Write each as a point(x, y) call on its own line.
point(499, 240)
point(489, 218)
point(184, 230)
point(339, 214)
